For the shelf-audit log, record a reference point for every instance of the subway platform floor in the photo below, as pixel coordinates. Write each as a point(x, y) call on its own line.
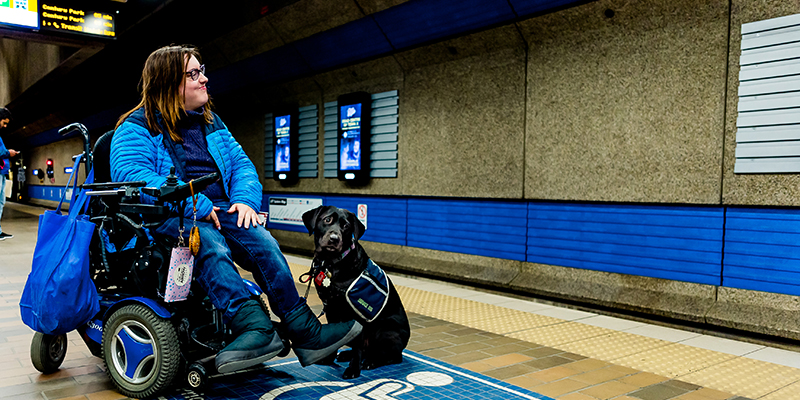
point(537, 346)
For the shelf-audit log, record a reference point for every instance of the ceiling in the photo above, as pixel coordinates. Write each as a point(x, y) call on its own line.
point(99, 81)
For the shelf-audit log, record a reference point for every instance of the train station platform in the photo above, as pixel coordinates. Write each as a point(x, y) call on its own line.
point(465, 342)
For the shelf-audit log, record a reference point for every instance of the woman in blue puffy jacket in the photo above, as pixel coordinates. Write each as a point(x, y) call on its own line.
point(173, 126)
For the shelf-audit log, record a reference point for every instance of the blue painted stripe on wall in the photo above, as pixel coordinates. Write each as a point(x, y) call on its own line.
point(46, 192)
point(524, 8)
point(615, 267)
point(762, 250)
point(472, 227)
point(418, 21)
point(681, 243)
point(684, 243)
point(386, 217)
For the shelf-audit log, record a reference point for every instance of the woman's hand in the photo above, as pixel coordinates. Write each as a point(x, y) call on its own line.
point(247, 215)
point(213, 218)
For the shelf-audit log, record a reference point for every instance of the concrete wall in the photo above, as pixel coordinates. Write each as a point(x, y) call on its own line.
point(572, 105)
point(22, 64)
point(752, 189)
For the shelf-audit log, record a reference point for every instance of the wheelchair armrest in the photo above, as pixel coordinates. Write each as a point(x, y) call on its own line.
point(113, 185)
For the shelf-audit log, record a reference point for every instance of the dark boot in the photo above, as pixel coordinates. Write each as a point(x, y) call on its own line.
point(256, 340)
point(312, 341)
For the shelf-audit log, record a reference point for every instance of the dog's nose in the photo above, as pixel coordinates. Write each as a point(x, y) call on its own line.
point(334, 237)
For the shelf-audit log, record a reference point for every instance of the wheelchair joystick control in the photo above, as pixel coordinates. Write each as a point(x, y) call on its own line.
point(172, 179)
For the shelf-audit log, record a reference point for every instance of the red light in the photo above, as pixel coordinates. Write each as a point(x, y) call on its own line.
point(49, 162)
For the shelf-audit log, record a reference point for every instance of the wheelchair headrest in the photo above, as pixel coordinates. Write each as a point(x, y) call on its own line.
point(101, 158)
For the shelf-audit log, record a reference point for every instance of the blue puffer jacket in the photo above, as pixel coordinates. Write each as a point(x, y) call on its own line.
point(140, 155)
point(5, 159)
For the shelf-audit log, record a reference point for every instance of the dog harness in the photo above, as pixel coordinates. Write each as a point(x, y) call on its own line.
point(367, 294)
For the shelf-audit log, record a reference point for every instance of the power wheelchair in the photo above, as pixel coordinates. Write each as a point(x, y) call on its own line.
point(146, 344)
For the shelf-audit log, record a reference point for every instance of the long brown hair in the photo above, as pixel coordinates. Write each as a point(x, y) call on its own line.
point(163, 73)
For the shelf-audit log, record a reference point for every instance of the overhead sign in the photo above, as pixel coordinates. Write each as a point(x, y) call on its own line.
point(416, 378)
point(19, 13)
point(76, 19)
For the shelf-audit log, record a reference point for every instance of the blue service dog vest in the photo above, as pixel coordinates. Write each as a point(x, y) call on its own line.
point(369, 292)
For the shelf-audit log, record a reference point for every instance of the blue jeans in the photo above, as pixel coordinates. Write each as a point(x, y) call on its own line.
point(253, 249)
point(2, 196)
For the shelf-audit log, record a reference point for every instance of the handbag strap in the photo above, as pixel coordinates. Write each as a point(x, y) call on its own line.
point(79, 205)
point(74, 175)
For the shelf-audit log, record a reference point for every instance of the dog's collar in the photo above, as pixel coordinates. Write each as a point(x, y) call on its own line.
point(340, 258)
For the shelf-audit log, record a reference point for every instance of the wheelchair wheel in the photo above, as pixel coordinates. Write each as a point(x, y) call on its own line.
point(140, 350)
point(197, 377)
point(48, 351)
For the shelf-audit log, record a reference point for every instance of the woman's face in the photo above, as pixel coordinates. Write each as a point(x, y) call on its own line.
point(194, 92)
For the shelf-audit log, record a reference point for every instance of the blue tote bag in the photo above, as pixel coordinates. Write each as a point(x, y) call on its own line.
point(59, 295)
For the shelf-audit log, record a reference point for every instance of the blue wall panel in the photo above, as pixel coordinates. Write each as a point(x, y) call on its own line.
point(351, 42)
point(679, 243)
point(386, 217)
point(524, 8)
point(483, 228)
point(419, 21)
point(46, 192)
point(762, 250)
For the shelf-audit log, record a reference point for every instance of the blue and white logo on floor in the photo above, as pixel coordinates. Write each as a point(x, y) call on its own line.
point(417, 378)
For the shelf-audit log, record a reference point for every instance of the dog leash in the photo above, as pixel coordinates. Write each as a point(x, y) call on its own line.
point(309, 276)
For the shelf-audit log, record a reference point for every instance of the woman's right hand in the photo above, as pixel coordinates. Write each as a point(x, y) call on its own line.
point(213, 218)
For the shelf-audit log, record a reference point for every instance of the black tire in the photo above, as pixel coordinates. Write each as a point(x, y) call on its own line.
point(48, 351)
point(197, 377)
point(153, 348)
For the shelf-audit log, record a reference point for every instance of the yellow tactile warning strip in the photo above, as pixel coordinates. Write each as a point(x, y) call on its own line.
point(758, 378)
point(717, 372)
point(675, 360)
point(613, 346)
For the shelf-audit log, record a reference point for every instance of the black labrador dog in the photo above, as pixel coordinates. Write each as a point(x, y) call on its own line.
point(352, 287)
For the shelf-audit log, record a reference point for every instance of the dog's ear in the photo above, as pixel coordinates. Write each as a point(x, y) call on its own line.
point(310, 217)
point(358, 227)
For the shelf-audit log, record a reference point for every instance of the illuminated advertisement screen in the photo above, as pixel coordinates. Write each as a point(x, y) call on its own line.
point(19, 13)
point(283, 149)
point(350, 142)
point(76, 19)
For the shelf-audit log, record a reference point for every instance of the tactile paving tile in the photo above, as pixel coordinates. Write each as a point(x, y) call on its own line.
point(615, 345)
point(673, 360)
point(791, 392)
point(556, 335)
point(504, 321)
point(431, 304)
point(745, 377)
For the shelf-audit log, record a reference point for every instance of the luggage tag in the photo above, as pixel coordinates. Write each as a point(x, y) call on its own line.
point(181, 264)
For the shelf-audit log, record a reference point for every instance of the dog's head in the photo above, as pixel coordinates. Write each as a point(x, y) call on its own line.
point(334, 229)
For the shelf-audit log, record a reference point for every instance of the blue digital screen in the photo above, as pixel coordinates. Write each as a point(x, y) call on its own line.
point(283, 148)
point(350, 142)
point(21, 13)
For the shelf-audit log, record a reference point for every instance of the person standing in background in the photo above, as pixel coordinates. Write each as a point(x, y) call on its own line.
point(5, 166)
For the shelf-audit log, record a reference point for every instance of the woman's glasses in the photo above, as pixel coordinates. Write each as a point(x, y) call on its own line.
point(195, 73)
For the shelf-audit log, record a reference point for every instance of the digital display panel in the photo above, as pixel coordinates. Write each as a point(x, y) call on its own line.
point(283, 147)
point(75, 19)
point(19, 13)
point(350, 142)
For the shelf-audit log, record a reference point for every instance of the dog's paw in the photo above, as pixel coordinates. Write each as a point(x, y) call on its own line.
point(345, 356)
point(351, 373)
